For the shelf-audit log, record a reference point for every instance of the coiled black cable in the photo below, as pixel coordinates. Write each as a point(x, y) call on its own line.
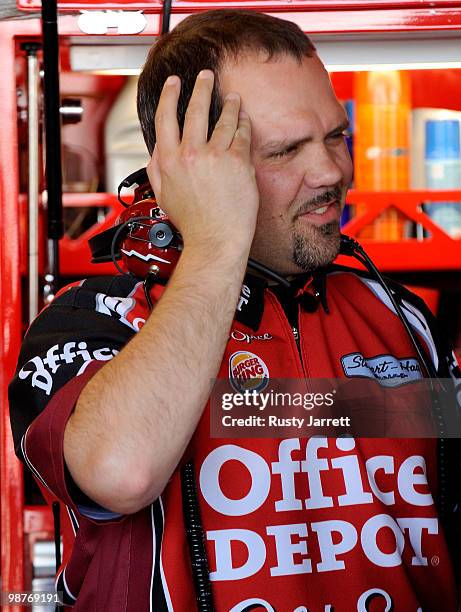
point(196, 539)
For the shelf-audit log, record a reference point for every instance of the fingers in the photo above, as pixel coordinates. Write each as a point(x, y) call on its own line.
point(242, 137)
point(195, 131)
point(225, 128)
point(196, 121)
point(166, 122)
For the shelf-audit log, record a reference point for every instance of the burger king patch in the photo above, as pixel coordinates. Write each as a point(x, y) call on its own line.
point(247, 372)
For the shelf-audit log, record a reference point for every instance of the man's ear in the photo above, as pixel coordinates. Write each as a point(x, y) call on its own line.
point(153, 172)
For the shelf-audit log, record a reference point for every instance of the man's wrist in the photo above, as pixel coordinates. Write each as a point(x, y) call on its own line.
point(209, 252)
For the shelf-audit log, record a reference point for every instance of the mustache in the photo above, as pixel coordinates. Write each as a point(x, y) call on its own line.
point(324, 198)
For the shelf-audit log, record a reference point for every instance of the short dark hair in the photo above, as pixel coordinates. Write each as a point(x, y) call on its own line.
point(206, 40)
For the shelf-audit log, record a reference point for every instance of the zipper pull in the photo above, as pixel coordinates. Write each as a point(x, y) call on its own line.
point(295, 333)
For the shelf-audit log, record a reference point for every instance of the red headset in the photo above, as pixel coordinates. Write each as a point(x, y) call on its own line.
point(143, 240)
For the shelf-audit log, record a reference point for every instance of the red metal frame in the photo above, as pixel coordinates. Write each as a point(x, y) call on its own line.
point(12, 541)
point(398, 256)
point(75, 256)
point(312, 21)
point(71, 5)
point(408, 254)
point(340, 16)
point(313, 17)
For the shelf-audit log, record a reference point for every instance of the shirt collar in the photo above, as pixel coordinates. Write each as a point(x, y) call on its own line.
point(250, 306)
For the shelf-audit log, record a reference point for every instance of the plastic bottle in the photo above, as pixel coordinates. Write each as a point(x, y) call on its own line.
point(443, 171)
point(382, 140)
point(349, 108)
point(419, 117)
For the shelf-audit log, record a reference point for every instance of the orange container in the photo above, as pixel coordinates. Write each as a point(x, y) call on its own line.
point(382, 143)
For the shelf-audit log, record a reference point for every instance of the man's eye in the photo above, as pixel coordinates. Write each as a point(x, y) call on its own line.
point(337, 135)
point(284, 152)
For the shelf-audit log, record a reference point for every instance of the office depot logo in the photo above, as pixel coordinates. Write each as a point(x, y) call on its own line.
point(402, 520)
point(41, 371)
point(247, 372)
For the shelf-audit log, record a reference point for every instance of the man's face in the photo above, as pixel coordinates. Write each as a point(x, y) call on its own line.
point(301, 159)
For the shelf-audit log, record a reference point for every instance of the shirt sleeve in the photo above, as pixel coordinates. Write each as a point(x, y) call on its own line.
point(64, 347)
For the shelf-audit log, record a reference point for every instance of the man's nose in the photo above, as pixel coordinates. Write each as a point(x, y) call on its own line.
point(322, 169)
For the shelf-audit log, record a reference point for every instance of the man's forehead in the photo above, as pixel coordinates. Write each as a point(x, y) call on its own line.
point(282, 95)
point(237, 69)
point(266, 85)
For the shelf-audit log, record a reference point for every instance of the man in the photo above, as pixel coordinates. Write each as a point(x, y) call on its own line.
point(248, 158)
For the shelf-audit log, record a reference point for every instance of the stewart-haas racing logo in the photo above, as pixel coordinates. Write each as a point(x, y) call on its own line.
point(247, 372)
point(390, 371)
point(41, 369)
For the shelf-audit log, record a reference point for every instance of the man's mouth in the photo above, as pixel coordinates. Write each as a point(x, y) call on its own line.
point(322, 214)
point(321, 210)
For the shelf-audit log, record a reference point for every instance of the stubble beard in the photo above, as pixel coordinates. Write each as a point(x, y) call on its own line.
point(316, 248)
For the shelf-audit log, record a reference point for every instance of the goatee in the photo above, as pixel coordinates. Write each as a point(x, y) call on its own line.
point(319, 251)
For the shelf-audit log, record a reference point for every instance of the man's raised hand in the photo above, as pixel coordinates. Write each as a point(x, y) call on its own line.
point(207, 188)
